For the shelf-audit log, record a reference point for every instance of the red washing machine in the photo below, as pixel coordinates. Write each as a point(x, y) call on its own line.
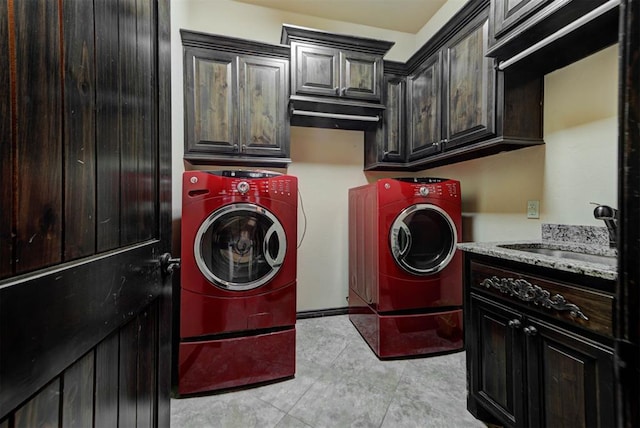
point(405, 272)
point(238, 279)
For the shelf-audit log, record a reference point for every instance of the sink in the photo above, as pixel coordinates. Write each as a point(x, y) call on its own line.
point(566, 254)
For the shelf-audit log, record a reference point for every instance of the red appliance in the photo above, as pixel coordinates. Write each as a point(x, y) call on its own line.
point(405, 272)
point(238, 279)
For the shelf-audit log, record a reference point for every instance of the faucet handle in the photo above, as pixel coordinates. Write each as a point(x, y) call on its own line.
point(605, 212)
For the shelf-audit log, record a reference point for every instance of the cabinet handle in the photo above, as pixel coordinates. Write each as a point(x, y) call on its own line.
point(530, 330)
point(535, 294)
point(235, 147)
point(337, 90)
point(514, 323)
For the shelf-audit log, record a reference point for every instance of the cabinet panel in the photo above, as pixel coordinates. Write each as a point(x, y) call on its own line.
point(317, 70)
point(361, 74)
point(262, 89)
point(507, 13)
point(393, 141)
point(209, 102)
point(424, 108)
point(498, 376)
point(573, 376)
point(469, 86)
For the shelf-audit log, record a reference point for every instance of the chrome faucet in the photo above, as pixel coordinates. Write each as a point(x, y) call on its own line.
point(610, 217)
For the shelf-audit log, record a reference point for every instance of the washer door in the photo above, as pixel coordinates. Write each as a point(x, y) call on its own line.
point(423, 239)
point(240, 247)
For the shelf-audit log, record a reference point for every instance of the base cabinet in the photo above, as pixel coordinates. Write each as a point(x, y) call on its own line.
point(526, 372)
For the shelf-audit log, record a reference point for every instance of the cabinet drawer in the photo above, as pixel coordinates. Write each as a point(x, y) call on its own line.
point(566, 302)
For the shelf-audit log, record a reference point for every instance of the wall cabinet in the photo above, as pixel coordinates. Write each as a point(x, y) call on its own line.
point(327, 71)
point(458, 106)
point(529, 361)
point(551, 34)
point(336, 80)
point(235, 101)
point(386, 144)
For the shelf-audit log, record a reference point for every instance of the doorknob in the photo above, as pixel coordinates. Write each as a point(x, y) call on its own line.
point(168, 264)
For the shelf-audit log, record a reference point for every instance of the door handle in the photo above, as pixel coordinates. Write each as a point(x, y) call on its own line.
point(168, 264)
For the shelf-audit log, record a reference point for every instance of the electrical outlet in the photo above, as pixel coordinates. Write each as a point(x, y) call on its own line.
point(533, 209)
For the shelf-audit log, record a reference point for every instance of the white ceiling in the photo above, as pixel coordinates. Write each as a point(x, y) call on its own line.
point(407, 16)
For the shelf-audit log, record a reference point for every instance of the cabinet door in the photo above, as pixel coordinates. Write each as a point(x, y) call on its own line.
point(361, 76)
point(211, 122)
point(506, 14)
point(570, 379)
point(494, 341)
point(317, 70)
point(423, 113)
point(469, 86)
point(262, 103)
point(392, 144)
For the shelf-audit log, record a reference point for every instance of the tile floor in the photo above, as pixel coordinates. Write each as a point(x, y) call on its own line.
point(339, 382)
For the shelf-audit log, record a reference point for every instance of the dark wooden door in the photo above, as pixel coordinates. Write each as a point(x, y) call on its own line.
point(85, 190)
point(627, 291)
point(469, 86)
point(497, 371)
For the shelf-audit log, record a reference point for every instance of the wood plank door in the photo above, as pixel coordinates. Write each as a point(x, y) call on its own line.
point(85, 193)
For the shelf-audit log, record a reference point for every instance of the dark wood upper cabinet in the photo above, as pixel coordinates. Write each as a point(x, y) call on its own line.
point(543, 35)
point(337, 73)
point(338, 76)
point(235, 94)
point(506, 14)
point(385, 146)
point(458, 106)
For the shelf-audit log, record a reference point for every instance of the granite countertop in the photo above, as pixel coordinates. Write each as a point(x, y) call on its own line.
point(580, 239)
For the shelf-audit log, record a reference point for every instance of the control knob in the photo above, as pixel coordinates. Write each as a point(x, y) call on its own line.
point(423, 191)
point(243, 187)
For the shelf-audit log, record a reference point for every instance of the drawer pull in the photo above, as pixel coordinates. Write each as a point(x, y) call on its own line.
point(530, 331)
point(528, 292)
point(514, 323)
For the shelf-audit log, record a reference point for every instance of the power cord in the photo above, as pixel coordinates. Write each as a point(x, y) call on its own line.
point(304, 215)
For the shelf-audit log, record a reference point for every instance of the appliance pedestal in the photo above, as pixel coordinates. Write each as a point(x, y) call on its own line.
point(415, 334)
point(216, 364)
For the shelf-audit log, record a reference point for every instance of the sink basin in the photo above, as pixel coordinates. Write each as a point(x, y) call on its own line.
point(566, 254)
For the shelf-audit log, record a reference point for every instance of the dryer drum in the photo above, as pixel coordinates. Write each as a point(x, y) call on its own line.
point(240, 247)
point(423, 239)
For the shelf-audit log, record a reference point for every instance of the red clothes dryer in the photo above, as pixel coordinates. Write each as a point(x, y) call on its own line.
point(238, 279)
point(405, 272)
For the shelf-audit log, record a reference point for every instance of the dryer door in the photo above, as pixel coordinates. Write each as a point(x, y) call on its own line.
point(423, 239)
point(240, 247)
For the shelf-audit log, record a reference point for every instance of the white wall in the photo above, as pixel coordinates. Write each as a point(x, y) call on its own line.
point(577, 165)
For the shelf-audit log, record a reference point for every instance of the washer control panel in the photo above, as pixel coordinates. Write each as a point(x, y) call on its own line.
point(445, 188)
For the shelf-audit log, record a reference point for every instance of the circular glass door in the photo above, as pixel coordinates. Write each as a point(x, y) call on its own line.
point(240, 247)
point(423, 239)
